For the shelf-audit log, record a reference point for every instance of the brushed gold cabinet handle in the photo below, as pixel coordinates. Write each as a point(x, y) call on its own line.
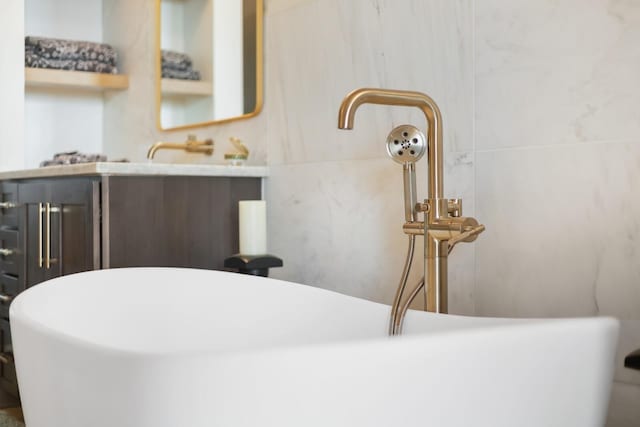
point(47, 244)
point(5, 298)
point(48, 209)
point(8, 205)
point(6, 358)
point(40, 212)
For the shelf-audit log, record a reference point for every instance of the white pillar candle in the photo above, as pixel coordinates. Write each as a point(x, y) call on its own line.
point(253, 227)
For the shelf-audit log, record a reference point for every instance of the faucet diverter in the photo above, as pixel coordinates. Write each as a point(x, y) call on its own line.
point(443, 226)
point(191, 145)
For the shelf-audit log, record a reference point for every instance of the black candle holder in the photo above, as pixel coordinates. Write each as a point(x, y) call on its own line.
point(632, 361)
point(256, 265)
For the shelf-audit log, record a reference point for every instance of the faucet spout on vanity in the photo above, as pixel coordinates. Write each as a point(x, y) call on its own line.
point(191, 145)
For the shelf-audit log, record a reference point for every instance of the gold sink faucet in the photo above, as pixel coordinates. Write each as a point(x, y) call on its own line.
point(192, 145)
point(443, 226)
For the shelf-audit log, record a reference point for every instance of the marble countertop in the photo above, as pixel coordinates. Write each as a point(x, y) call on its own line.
point(114, 168)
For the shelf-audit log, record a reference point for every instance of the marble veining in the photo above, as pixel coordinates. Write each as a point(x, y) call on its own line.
point(548, 74)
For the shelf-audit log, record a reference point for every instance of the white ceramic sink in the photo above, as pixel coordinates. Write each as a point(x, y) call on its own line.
point(178, 347)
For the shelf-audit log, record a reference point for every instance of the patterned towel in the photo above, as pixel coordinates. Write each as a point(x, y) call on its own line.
point(35, 61)
point(74, 157)
point(177, 65)
point(168, 73)
point(59, 49)
point(176, 61)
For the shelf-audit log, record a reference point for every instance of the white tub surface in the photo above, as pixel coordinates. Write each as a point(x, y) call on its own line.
point(155, 347)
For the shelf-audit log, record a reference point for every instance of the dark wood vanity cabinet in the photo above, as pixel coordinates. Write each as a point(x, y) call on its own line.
point(60, 227)
point(57, 226)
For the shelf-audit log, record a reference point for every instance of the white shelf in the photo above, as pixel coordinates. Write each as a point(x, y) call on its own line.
point(42, 77)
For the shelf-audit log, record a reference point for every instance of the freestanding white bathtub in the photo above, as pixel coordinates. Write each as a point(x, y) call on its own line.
point(177, 347)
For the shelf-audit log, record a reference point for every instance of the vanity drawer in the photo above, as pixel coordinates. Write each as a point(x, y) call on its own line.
point(8, 204)
point(9, 260)
point(7, 366)
point(9, 288)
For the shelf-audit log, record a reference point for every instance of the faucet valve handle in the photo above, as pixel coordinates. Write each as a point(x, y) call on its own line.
point(469, 234)
point(454, 207)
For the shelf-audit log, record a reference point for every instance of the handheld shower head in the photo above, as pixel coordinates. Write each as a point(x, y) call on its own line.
point(406, 144)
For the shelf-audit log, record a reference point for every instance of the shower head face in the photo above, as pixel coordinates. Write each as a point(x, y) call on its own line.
point(406, 144)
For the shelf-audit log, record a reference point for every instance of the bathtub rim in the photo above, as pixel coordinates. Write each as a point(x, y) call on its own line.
point(18, 316)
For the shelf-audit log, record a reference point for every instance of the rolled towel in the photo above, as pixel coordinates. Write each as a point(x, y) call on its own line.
point(35, 61)
point(60, 49)
point(176, 60)
point(168, 73)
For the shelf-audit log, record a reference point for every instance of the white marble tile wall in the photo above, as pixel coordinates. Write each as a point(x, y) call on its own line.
point(556, 72)
point(338, 225)
point(557, 167)
point(319, 50)
point(336, 199)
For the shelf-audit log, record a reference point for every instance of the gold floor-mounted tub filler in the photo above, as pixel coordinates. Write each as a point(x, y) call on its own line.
point(443, 225)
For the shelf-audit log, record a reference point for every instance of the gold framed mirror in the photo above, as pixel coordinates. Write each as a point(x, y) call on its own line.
point(209, 62)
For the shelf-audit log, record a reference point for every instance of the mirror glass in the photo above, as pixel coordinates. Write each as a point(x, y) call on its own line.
point(209, 54)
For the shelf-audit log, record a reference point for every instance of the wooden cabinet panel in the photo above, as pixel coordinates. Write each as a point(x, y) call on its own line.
point(9, 288)
point(10, 261)
point(172, 221)
point(7, 367)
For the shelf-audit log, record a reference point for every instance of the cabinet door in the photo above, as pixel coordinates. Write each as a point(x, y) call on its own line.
point(62, 227)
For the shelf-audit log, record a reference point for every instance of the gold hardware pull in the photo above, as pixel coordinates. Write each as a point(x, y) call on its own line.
point(47, 259)
point(8, 205)
point(5, 298)
point(6, 358)
point(47, 245)
point(6, 252)
point(40, 212)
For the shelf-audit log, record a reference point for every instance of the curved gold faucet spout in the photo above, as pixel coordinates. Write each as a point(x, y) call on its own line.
point(192, 145)
point(425, 103)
